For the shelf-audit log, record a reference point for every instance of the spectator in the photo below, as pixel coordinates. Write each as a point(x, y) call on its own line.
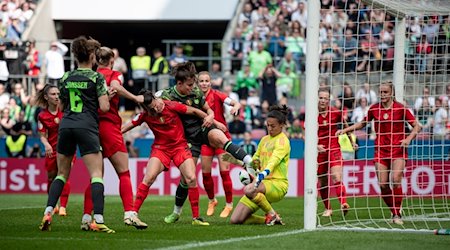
point(4, 97)
point(440, 121)
point(431, 30)
point(246, 14)
point(268, 78)
point(237, 127)
point(301, 15)
point(14, 109)
point(368, 52)
point(360, 111)
point(119, 63)
point(425, 115)
point(424, 54)
point(54, 62)
point(259, 59)
point(177, 56)
point(140, 70)
point(276, 43)
point(287, 61)
point(329, 51)
point(216, 76)
point(296, 44)
point(245, 80)
point(285, 84)
point(17, 140)
point(35, 151)
point(366, 92)
point(248, 145)
point(425, 95)
point(236, 49)
point(15, 28)
point(18, 94)
point(133, 151)
point(33, 61)
point(348, 51)
point(348, 98)
point(296, 131)
point(6, 122)
point(14, 57)
point(160, 66)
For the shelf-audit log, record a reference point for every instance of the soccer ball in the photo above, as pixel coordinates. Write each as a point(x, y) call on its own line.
point(244, 177)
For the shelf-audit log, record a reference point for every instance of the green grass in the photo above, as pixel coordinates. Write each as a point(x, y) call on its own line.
point(22, 214)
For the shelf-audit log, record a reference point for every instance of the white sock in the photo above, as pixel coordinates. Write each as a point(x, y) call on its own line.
point(229, 204)
point(128, 214)
point(86, 218)
point(177, 209)
point(48, 210)
point(99, 218)
point(211, 200)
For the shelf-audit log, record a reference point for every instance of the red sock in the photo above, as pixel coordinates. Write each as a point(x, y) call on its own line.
point(387, 197)
point(193, 199)
point(208, 183)
point(341, 193)
point(398, 198)
point(126, 191)
point(324, 195)
point(227, 185)
point(142, 192)
point(65, 195)
point(88, 205)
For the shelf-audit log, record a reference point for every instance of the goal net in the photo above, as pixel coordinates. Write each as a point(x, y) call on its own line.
point(361, 45)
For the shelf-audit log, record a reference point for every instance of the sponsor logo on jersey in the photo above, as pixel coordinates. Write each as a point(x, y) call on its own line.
point(161, 119)
point(385, 116)
point(56, 120)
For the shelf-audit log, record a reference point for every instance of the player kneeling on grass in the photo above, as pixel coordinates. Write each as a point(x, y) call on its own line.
point(170, 144)
point(271, 184)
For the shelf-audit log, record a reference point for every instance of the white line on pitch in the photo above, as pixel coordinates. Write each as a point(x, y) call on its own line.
point(15, 208)
point(231, 240)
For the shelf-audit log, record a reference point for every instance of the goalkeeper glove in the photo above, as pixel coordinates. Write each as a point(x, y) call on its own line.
point(261, 176)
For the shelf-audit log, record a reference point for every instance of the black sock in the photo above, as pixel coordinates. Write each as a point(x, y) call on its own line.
point(98, 197)
point(55, 191)
point(181, 194)
point(234, 150)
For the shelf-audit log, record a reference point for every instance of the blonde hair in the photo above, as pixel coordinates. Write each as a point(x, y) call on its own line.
point(391, 85)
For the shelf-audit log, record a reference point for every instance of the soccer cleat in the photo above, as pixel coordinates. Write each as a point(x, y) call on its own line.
point(55, 210)
point(397, 219)
point(211, 207)
point(135, 222)
point(100, 227)
point(85, 225)
point(171, 218)
point(327, 213)
point(273, 219)
point(46, 223)
point(62, 211)
point(226, 212)
point(229, 158)
point(199, 222)
point(344, 208)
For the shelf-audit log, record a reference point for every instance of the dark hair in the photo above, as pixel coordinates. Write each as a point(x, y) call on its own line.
point(82, 48)
point(279, 112)
point(40, 96)
point(184, 71)
point(104, 55)
point(324, 89)
point(148, 98)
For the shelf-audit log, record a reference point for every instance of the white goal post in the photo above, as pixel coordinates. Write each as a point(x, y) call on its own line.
point(426, 182)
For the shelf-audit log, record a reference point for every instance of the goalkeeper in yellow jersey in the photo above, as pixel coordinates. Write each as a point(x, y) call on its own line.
point(270, 184)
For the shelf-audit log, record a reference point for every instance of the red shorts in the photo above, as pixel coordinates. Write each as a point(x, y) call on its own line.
point(328, 160)
point(52, 165)
point(386, 155)
point(111, 139)
point(210, 151)
point(165, 155)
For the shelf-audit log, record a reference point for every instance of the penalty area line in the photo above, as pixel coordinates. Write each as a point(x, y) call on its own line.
point(232, 240)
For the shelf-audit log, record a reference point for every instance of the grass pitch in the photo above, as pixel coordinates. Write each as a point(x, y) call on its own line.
point(21, 215)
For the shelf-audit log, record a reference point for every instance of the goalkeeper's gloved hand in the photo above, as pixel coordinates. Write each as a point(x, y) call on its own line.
point(261, 176)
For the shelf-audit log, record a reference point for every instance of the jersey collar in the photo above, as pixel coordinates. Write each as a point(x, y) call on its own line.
point(178, 93)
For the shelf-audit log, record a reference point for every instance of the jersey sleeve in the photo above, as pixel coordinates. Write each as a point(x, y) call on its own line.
point(222, 96)
point(369, 117)
point(41, 127)
point(179, 107)
point(282, 148)
point(409, 117)
point(101, 85)
point(256, 156)
point(163, 94)
point(117, 76)
point(138, 119)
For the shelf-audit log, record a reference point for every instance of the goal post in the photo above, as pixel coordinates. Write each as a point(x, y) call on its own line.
point(382, 30)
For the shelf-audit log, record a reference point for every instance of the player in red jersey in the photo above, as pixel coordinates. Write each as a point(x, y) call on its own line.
point(216, 100)
point(111, 139)
point(391, 151)
point(329, 156)
point(48, 125)
point(170, 144)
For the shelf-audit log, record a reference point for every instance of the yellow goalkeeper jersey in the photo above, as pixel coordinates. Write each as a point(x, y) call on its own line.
point(273, 154)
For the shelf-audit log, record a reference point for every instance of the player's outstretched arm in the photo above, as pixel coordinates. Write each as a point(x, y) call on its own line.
point(125, 93)
point(127, 127)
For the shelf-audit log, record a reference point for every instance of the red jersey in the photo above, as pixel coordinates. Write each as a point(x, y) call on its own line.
point(49, 123)
point(328, 126)
point(215, 100)
point(390, 122)
point(166, 126)
point(113, 114)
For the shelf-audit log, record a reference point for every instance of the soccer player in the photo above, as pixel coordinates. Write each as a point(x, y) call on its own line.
point(111, 140)
point(216, 100)
point(271, 184)
point(170, 144)
point(48, 124)
point(197, 131)
point(391, 145)
point(329, 156)
point(83, 91)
